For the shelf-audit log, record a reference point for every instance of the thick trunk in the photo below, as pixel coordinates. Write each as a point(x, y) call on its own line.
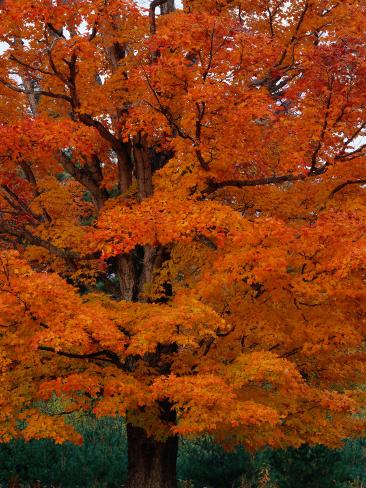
point(151, 464)
point(167, 7)
point(143, 170)
point(124, 170)
point(152, 260)
point(14, 482)
point(126, 274)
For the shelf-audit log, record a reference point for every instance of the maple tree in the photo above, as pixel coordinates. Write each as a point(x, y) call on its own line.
point(183, 221)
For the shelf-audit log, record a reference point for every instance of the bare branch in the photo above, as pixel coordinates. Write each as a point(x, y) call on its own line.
point(104, 355)
point(28, 66)
point(352, 154)
point(218, 185)
point(19, 89)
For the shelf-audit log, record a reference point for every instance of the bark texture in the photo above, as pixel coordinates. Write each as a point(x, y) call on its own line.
point(167, 7)
point(151, 464)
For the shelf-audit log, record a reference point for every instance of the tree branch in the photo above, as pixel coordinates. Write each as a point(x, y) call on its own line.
point(28, 66)
point(88, 177)
point(67, 254)
point(17, 203)
point(111, 357)
point(218, 185)
point(294, 36)
point(324, 126)
point(153, 5)
point(119, 147)
point(339, 188)
point(38, 92)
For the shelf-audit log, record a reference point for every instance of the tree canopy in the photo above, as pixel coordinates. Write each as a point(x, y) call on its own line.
point(183, 217)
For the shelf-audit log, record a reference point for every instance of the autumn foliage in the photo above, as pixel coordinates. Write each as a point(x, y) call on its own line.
point(183, 218)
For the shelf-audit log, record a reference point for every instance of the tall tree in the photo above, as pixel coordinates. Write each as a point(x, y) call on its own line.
point(182, 221)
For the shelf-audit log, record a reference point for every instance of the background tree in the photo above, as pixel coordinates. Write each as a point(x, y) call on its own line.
point(183, 222)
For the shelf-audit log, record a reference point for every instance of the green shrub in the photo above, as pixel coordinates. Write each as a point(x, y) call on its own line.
point(208, 465)
point(317, 466)
point(101, 462)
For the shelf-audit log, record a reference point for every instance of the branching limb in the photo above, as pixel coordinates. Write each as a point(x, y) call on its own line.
point(153, 6)
point(339, 188)
point(218, 185)
point(17, 203)
point(324, 128)
point(89, 177)
point(45, 93)
point(67, 254)
point(30, 67)
point(104, 355)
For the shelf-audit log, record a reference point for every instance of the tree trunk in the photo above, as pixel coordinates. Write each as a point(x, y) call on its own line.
point(151, 464)
point(126, 275)
point(14, 482)
point(167, 7)
point(142, 166)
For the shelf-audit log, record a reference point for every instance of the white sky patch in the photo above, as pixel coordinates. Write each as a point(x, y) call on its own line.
point(3, 46)
point(83, 27)
point(356, 143)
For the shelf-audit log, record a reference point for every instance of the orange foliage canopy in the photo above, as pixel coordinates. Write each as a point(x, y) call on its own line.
point(183, 217)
